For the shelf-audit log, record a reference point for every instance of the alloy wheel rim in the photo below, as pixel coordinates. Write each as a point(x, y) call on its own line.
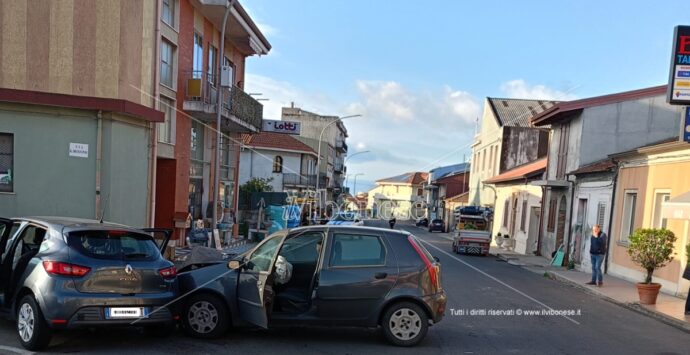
point(203, 317)
point(405, 324)
point(25, 322)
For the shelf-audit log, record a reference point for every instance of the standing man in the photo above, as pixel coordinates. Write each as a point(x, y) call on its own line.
point(597, 250)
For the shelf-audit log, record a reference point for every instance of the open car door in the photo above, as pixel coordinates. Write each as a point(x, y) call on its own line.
point(5, 265)
point(255, 281)
point(161, 236)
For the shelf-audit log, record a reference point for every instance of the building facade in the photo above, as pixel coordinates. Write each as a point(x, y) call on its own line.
point(650, 181)
point(445, 183)
point(289, 163)
point(402, 196)
point(585, 132)
point(504, 141)
point(188, 86)
point(333, 148)
point(77, 109)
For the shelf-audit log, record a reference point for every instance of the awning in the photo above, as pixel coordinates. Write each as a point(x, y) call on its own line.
point(677, 207)
point(520, 173)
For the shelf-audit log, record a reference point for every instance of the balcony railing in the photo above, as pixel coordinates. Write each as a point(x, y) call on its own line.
point(240, 108)
point(341, 145)
point(290, 179)
point(339, 168)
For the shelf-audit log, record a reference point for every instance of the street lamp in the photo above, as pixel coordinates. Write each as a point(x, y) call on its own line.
point(347, 176)
point(354, 188)
point(216, 177)
point(318, 156)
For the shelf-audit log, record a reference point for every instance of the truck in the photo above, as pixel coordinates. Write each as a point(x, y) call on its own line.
point(472, 234)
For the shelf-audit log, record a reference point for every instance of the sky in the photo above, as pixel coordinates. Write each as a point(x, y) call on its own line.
point(419, 71)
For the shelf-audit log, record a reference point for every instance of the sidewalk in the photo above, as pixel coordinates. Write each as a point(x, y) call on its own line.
point(668, 309)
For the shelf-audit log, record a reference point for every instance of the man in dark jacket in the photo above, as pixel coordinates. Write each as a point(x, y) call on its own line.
point(597, 250)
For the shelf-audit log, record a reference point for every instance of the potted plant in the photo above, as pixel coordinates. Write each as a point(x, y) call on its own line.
point(651, 249)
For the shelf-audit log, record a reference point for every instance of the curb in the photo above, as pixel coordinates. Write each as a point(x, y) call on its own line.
point(516, 261)
point(636, 307)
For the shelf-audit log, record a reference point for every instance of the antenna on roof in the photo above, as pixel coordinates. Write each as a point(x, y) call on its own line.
point(105, 205)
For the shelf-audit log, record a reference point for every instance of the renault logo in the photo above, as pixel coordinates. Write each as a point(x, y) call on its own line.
point(128, 269)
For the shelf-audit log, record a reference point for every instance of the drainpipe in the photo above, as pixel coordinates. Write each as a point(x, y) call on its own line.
point(566, 259)
point(156, 104)
point(99, 157)
point(613, 199)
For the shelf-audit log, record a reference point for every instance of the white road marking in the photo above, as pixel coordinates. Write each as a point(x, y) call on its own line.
point(494, 278)
point(14, 350)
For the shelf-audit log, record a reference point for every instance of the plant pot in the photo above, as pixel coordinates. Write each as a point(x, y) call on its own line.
point(648, 292)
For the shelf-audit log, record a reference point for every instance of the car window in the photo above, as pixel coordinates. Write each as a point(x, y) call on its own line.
point(304, 248)
point(13, 231)
point(29, 243)
point(262, 257)
point(114, 245)
point(357, 250)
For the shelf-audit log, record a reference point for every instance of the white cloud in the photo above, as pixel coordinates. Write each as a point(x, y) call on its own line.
point(520, 89)
point(266, 29)
point(282, 94)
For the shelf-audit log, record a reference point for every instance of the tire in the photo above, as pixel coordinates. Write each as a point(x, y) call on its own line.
point(33, 331)
point(405, 324)
point(205, 317)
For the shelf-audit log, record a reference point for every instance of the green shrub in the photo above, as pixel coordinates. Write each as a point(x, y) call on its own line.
point(651, 249)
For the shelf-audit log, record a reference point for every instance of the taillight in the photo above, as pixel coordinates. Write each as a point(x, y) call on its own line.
point(65, 269)
point(431, 268)
point(168, 273)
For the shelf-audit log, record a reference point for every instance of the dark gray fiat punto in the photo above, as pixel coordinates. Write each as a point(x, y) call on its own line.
point(319, 276)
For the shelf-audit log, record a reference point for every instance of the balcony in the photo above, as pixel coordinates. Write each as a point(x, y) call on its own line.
point(341, 146)
point(240, 111)
point(297, 180)
point(339, 168)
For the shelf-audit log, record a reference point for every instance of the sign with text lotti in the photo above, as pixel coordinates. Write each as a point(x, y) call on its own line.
point(678, 92)
point(286, 127)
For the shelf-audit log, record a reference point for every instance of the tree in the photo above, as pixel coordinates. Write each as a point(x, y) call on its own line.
point(651, 249)
point(257, 185)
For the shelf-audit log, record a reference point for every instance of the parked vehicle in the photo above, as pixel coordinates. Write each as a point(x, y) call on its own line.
point(319, 276)
point(65, 273)
point(346, 218)
point(472, 235)
point(437, 225)
point(422, 222)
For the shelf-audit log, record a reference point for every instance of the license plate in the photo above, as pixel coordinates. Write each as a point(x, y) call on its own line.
point(125, 312)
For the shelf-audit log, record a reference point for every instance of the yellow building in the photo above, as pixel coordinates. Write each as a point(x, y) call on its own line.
point(649, 181)
point(401, 196)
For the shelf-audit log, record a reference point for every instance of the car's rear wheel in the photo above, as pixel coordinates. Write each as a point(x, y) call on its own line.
point(405, 324)
point(205, 317)
point(32, 329)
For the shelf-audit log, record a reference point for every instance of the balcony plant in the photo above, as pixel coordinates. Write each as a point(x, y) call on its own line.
point(651, 249)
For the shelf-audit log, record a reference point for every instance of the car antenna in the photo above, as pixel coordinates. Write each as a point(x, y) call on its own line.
point(107, 198)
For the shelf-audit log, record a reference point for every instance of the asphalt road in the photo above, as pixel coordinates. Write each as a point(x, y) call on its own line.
point(474, 284)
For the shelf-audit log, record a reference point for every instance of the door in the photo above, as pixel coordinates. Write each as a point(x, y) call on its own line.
point(255, 284)
point(19, 252)
point(580, 230)
point(5, 233)
point(358, 273)
point(533, 233)
point(560, 231)
point(118, 262)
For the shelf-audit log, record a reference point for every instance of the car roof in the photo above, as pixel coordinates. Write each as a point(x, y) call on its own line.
point(59, 223)
point(349, 228)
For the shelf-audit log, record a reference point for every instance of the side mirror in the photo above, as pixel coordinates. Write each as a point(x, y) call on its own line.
point(234, 265)
point(437, 259)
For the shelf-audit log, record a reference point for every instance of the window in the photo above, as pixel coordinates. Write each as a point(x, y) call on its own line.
point(31, 239)
point(212, 57)
point(523, 215)
point(357, 250)
point(551, 225)
point(563, 151)
point(420, 192)
point(165, 129)
point(278, 164)
point(226, 158)
point(166, 63)
point(261, 259)
point(198, 59)
point(659, 199)
point(6, 162)
point(114, 245)
point(483, 160)
point(628, 222)
point(168, 12)
point(302, 249)
point(227, 63)
point(601, 214)
point(506, 207)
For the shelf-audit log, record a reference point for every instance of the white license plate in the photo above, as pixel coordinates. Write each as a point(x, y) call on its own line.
point(125, 312)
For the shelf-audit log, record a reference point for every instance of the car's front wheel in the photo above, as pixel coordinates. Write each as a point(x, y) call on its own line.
point(32, 329)
point(405, 324)
point(205, 317)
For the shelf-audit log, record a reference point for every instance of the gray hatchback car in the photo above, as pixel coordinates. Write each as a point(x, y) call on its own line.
point(63, 273)
point(319, 276)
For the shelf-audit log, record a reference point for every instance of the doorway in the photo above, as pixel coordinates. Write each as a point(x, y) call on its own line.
point(560, 229)
point(579, 230)
point(533, 232)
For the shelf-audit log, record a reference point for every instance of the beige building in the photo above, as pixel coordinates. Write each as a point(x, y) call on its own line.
point(650, 180)
point(401, 196)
